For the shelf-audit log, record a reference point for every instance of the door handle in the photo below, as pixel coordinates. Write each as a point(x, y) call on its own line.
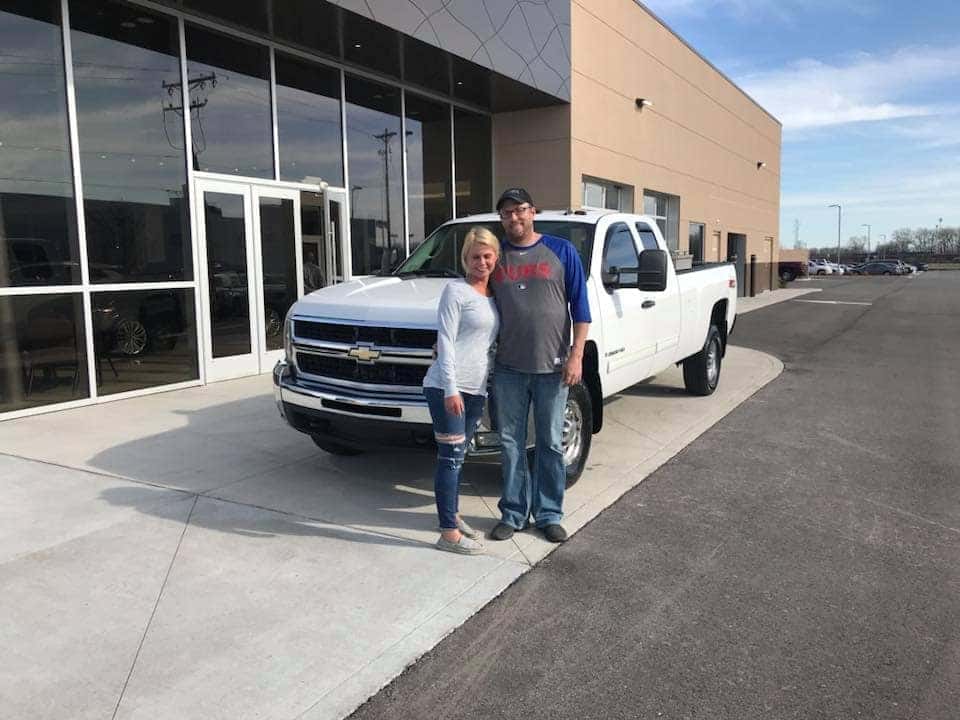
point(647, 304)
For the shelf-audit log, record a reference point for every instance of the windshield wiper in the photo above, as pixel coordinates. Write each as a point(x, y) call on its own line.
point(429, 272)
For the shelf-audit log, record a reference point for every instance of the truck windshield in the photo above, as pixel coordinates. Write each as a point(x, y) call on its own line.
point(439, 255)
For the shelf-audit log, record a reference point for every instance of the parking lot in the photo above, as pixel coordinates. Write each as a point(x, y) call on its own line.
point(187, 555)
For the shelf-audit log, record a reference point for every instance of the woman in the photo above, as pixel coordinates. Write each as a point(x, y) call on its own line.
point(456, 383)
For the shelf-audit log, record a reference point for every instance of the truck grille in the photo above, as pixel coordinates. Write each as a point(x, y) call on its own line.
point(381, 373)
point(382, 336)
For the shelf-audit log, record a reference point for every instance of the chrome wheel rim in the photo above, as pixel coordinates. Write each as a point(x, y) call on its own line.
point(713, 363)
point(572, 432)
point(131, 337)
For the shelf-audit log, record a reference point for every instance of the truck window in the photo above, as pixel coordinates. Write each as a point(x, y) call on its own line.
point(620, 251)
point(441, 251)
point(647, 238)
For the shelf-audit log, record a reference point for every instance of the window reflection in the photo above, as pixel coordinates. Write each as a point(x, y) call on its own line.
point(229, 104)
point(130, 122)
point(376, 178)
point(308, 121)
point(43, 357)
point(471, 133)
point(226, 234)
point(428, 167)
point(309, 23)
point(144, 338)
point(38, 239)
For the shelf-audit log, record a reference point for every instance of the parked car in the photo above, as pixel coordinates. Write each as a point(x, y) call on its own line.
point(819, 267)
point(356, 353)
point(790, 270)
point(880, 268)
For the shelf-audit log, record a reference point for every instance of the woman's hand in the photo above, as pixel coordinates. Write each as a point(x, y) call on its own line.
point(454, 404)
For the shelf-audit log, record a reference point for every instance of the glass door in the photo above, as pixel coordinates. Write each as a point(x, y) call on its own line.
point(335, 220)
point(252, 273)
point(279, 277)
point(226, 242)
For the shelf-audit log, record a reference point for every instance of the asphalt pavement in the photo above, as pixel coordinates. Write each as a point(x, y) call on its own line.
point(801, 559)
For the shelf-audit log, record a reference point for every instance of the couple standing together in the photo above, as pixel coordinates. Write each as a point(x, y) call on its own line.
point(524, 292)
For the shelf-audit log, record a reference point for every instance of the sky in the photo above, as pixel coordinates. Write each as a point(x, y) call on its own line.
point(868, 92)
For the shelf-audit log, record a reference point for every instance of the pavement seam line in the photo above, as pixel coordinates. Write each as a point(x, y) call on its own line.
point(406, 635)
point(156, 604)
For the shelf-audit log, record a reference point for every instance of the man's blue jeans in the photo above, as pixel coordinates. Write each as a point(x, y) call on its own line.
point(541, 493)
point(453, 434)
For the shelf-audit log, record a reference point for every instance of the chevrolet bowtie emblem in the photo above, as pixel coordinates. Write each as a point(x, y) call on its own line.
point(364, 354)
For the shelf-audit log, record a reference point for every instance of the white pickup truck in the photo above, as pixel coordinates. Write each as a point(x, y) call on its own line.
point(356, 353)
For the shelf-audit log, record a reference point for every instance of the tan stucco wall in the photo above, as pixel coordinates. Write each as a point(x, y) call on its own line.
point(532, 150)
point(701, 139)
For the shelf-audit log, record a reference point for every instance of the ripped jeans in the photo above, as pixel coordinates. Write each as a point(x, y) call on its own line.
point(452, 434)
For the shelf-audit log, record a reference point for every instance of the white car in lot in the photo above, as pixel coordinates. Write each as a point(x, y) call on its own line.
point(819, 267)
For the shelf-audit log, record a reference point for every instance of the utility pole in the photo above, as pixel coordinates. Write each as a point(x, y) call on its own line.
point(867, 226)
point(385, 137)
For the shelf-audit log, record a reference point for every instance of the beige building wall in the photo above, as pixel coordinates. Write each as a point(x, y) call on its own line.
point(701, 140)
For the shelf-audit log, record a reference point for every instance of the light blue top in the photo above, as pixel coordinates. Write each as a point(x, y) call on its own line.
point(467, 328)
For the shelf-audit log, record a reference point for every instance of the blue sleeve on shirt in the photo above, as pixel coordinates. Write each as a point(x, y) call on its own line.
point(575, 279)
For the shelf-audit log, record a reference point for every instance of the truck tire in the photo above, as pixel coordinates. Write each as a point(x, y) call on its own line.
point(701, 372)
point(787, 276)
point(577, 432)
point(333, 447)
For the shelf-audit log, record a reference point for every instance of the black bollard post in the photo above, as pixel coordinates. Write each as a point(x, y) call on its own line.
point(753, 275)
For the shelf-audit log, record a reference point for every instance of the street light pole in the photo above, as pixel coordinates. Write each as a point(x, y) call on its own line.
point(867, 226)
point(839, 216)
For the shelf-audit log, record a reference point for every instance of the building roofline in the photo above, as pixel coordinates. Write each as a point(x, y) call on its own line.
point(696, 52)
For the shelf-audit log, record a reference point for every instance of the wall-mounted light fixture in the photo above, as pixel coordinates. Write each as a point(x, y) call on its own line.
point(643, 102)
point(761, 164)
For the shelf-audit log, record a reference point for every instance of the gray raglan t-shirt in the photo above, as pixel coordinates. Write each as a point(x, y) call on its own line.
point(467, 329)
point(538, 289)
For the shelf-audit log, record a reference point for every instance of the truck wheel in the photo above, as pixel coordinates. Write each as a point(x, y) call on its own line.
point(701, 372)
point(786, 276)
point(577, 432)
point(333, 447)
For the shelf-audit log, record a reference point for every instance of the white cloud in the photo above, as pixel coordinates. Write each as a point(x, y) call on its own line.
point(896, 191)
point(811, 93)
point(753, 11)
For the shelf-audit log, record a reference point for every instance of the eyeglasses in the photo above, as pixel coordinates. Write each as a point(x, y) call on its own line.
point(518, 211)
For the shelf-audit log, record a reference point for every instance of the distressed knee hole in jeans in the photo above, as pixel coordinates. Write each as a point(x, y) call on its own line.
point(451, 453)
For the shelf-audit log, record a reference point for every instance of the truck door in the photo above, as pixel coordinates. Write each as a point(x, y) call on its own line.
point(628, 346)
point(661, 310)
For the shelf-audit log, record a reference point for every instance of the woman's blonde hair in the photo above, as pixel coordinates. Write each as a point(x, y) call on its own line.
point(478, 236)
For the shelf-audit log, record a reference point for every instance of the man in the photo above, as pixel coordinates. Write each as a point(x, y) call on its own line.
point(312, 274)
point(539, 284)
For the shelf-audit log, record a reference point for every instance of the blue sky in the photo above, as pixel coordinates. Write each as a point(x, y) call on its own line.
point(869, 97)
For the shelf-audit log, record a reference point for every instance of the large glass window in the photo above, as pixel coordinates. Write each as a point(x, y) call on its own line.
point(473, 153)
point(250, 14)
point(665, 209)
point(606, 194)
point(144, 338)
point(376, 178)
point(279, 264)
point(371, 45)
point(43, 355)
point(38, 238)
point(130, 122)
point(429, 167)
point(230, 115)
point(308, 121)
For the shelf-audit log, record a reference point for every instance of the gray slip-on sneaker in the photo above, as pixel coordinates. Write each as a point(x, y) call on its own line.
point(464, 546)
point(466, 529)
point(501, 531)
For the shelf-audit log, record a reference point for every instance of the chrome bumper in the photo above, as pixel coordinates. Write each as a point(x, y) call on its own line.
point(404, 409)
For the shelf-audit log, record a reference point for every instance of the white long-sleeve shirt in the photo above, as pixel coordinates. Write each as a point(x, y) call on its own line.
point(468, 324)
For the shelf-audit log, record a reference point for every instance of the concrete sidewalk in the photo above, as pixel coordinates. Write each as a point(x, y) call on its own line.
point(187, 555)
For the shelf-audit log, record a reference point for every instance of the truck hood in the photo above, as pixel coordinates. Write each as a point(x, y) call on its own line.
point(376, 301)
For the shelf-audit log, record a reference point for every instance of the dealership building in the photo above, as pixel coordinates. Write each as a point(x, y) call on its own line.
point(174, 175)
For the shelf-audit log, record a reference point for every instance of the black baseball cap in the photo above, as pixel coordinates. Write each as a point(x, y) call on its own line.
point(517, 195)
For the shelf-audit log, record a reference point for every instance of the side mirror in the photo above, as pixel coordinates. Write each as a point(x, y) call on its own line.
point(652, 275)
